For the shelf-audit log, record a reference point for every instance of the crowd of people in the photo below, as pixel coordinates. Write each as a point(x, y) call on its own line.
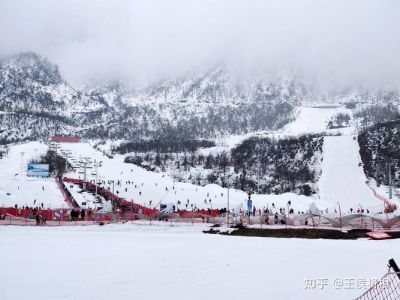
point(77, 214)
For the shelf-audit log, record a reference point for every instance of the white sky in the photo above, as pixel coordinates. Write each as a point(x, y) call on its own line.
point(336, 41)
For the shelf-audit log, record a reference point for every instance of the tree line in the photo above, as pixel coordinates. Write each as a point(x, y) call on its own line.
point(258, 164)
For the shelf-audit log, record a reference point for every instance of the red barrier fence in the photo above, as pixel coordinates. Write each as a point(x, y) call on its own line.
point(59, 217)
point(67, 199)
point(122, 203)
point(61, 214)
point(27, 213)
point(198, 213)
point(130, 206)
point(389, 206)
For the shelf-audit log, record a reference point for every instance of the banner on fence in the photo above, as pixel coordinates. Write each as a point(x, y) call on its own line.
point(249, 205)
point(40, 170)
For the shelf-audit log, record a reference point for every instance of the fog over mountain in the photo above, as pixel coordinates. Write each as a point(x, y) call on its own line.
point(329, 44)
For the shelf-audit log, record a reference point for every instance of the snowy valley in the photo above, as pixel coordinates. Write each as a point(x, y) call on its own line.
point(191, 152)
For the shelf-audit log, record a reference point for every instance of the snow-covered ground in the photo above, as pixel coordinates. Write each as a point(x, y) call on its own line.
point(383, 190)
point(308, 120)
point(312, 120)
point(86, 199)
point(343, 179)
point(17, 188)
point(139, 261)
point(155, 187)
point(136, 261)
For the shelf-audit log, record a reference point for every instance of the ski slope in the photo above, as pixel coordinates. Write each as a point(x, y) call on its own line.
point(308, 120)
point(312, 120)
point(86, 199)
point(150, 188)
point(342, 179)
point(17, 188)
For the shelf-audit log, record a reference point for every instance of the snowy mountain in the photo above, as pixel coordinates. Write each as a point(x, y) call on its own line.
point(34, 96)
point(357, 94)
point(218, 85)
point(31, 83)
point(201, 105)
point(36, 102)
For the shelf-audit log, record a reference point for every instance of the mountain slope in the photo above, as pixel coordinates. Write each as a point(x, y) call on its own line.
point(36, 102)
point(29, 82)
point(203, 104)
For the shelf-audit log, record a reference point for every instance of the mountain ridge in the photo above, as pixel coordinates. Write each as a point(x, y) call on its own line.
point(206, 103)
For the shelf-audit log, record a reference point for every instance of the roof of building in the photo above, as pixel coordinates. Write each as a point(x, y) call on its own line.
point(65, 139)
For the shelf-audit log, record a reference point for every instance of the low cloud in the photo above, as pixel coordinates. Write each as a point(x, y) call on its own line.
point(337, 42)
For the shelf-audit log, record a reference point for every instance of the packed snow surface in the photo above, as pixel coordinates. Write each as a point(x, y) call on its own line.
point(309, 120)
point(343, 179)
point(138, 261)
point(17, 188)
point(150, 188)
point(312, 120)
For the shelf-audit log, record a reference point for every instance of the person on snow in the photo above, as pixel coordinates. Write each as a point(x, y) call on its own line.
point(276, 218)
point(38, 220)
